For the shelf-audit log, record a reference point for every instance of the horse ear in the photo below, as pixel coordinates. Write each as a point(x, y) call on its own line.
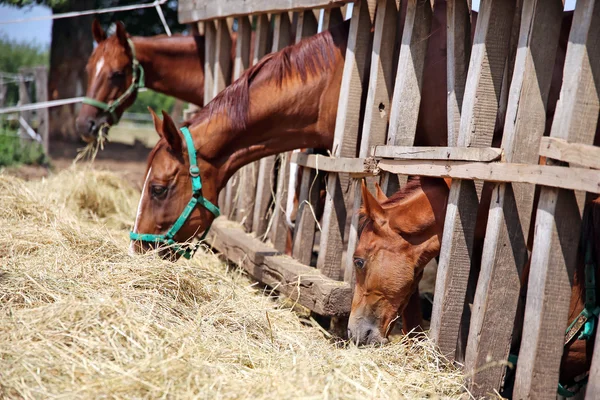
point(158, 123)
point(98, 32)
point(121, 34)
point(381, 197)
point(372, 207)
point(171, 133)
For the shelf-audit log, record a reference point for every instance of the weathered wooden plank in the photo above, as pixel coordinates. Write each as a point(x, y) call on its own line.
point(222, 77)
point(407, 90)
point(458, 41)
point(249, 173)
point(331, 17)
point(41, 94)
point(480, 104)
point(558, 220)
point(593, 387)
point(308, 195)
point(346, 137)
point(201, 10)
point(379, 96)
point(575, 153)
point(241, 63)
point(299, 282)
point(24, 98)
point(505, 248)
point(437, 153)
point(264, 189)
point(210, 41)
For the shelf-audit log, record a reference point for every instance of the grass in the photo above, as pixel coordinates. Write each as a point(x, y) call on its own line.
point(82, 318)
point(15, 151)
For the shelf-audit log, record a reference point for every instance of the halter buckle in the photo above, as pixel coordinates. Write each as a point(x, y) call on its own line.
point(194, 171)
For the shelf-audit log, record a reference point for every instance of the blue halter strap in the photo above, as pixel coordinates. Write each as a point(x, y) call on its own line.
point(167, 239)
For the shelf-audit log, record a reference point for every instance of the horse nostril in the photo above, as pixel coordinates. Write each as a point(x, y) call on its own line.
point(91, 125)
point(369, 331)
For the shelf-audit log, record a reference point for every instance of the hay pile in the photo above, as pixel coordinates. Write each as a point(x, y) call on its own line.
point(81, 318)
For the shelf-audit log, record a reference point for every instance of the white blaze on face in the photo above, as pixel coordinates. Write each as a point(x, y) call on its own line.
point(139, 210)
point(99, 66)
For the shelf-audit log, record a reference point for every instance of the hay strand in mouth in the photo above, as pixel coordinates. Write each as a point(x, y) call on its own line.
point(90, 151)
point(82, 318)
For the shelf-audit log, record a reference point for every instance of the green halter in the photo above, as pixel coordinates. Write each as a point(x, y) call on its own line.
point(196, 200)
point(137, 82)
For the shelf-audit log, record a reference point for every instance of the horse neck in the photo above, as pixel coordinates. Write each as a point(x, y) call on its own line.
point(281, 117)
point(173, 66)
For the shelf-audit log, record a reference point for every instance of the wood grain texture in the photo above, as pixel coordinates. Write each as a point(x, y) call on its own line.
point(458, 41)
point(345, 142)
point(264, 189)
point(505, 249)
point(480, 105)
point(201, 10)
point(210, 41)
point(249, 174)
point(558, 218)
point(593, 387)
point(287, 276)
point(484, 154)
point(379, 96)
point(574, 153)
point(241, 63)
point(406, 100)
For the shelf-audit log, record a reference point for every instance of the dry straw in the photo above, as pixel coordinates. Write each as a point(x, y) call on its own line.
point(81, 318)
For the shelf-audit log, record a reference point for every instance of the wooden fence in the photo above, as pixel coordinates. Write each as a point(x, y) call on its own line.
point(505, 74)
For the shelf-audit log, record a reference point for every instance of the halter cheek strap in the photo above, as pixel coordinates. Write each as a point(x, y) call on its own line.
point(197, 199)
point(137, 82)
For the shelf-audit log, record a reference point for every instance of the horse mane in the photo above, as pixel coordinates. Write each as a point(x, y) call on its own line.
point(305, 58)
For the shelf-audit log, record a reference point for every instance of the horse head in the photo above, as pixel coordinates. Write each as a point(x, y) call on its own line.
point(114, 75)
point(178, 195)
point(399, 236)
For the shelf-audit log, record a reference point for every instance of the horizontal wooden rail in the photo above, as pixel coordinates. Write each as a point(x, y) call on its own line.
point(201, 10)
point(437, 153)
point(554, 176)
point(299, 282)
point(581, 154)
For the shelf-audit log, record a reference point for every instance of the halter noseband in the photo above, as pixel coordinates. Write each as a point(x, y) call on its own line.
point(197, 199)
point(137, 82)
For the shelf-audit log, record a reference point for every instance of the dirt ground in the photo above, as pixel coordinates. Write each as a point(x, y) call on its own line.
point(127, 160)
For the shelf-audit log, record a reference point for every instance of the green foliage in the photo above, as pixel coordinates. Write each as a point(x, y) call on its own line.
point(13, 150)
point(24, 3)
point(142, 22)
point(15, 55)
point(152, 99)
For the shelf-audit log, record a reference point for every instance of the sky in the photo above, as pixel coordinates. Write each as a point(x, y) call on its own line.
point(39, 31)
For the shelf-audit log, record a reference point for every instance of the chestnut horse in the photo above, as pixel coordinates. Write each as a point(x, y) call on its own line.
point(171, 65)
point(287, 101)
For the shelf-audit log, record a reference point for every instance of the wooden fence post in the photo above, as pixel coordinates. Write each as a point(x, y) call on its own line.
point(558, 221)
point(241, 63)
point(210, 41)
point(249, 173)
point(505, 249)
point(379, 96)
point(480, 105)
point(264, 187)
point(356, 70)
point(406, 100)
point(41, 94)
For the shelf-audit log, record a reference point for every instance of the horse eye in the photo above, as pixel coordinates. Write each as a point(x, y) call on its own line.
point(158, 191)
point(359, 262)
point(117, 75)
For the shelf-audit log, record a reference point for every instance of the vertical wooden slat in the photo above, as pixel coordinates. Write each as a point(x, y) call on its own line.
point(281, 38)
point(480, 105)
point(41, 94)
point(459, 49)
point(24, 98)
point(249, 173)
point(241, 63)
point(407, 90)
point(306, 25)
point(330, 18)
point(346, 136)
point(558, 220)
point(222, 77)
point(210, 41)
point(379, 95)
point(593, 388)
point(505, 249)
